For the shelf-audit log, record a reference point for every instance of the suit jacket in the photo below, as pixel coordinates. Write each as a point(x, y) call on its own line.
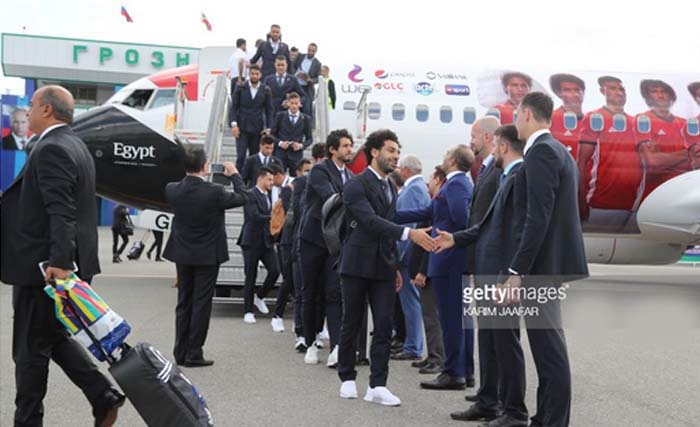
point(8, 142)
point(297, 207)
point(284, 130)
point(252, 114)
point(49, 212)
point(418, 257)
point(495, 237)
point(252, 166)
point(322, 182)
point(287, 235)
point(551, 241)
point(484, 191)
point(448, 211)
point(255, 232)
point(413, 196)
point(279, 93)
point(198, 235)
point(369, 250)
point(268, 56)
point(120, 219)
point(314, 72)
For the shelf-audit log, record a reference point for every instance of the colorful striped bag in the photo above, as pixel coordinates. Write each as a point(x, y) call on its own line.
point(78, 305)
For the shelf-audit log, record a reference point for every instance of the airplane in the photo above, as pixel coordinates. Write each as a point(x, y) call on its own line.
point(432, 108)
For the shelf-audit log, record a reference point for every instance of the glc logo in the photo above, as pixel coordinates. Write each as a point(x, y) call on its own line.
point(353, 74)
point(381, 74)
point(388, 86)
point(130, 152)
point(424, 88)
point(458, 90)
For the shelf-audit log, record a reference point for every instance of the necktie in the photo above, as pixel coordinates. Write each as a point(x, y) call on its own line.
point(344, 175)
point(266, 160)
point(279, 81)
point(482, 168)
point(387, 189)
point(294, 119)
point(503, 178)
point(22, 144)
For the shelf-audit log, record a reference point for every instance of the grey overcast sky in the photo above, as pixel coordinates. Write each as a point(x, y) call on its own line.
point(645, 36)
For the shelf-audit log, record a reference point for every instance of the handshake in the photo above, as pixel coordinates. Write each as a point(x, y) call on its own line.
point(437, 244)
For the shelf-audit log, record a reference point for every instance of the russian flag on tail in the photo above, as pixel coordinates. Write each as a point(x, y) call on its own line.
point(126, 15)
point(206, 22)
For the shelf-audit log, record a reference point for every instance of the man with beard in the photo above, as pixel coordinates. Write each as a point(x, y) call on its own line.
point(268, 50)
point(660, 139)
point(516, 85)
point(566, 120)
point(369, 265)
point(307, 68)
point(608, 161)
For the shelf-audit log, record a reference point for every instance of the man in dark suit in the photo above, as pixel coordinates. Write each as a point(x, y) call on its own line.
point(495, 240)
point(271, 49)
point(251, 114)
point(49, 214)
point(263, 157)
point(449, 210)
point(257, 244)
point(369, 265)
point(550, 252)
point(281, 84)
point(321, 281)
point(197, 245)
point(19, 126)
point(308, 68)
point(292, 131)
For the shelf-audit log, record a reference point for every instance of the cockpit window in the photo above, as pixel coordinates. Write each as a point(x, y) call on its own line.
point(162, 97)
point(138, 99)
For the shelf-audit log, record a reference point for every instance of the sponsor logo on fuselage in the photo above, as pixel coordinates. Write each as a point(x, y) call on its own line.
point(388, 86)
point(132, 152)
point(431, 75)
point(353, 75)
point(457, 90)
point(424, 88)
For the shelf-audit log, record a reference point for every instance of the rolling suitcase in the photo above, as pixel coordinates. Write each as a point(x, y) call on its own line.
point(136, 250)
point(159, 391)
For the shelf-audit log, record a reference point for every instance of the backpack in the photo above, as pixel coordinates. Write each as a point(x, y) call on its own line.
point(333, 220)
point(277, 218)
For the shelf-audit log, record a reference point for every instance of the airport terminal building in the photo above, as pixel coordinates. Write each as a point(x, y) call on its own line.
point(92, 70)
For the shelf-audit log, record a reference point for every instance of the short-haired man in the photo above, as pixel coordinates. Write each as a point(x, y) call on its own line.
point(567, 119)
point(292, 131)
point(238, 64)
point(493, 238)
point(257, 244)
point(271, 49)
point(19, 128)
point(307, 69)
point(263, 157)
point(281, 83)
point(369, 265)
point(325, 75)
point(608, 161)
point(49, 214)
point(450, 211)
point(550, 252)
point(198, 245)
point(516, 85)
point(321, 280)
point(692, 130)
point(660, 139)
point(251, 114)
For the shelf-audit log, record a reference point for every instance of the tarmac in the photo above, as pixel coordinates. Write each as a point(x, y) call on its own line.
point(633, 336)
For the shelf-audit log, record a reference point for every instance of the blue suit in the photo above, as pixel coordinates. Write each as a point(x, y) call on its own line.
point(413, 196)
point(449, 211)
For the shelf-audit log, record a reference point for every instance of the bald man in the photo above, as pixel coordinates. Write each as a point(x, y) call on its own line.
point(49, 215)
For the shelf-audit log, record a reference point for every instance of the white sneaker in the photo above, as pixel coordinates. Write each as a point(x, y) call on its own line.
point(260, 305)
point(277, 324)
point(323, 335)
point(249, 318)
point(300, 345)
point(348, 390)
point(381, 396)
point(318, 343)
point(311, 357)
point(333, 360)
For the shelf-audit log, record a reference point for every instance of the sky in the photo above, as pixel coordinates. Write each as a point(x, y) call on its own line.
point(643, 36)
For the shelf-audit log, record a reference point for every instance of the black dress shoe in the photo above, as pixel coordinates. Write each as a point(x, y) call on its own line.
point(444, 382)
point(362, 362)
point(471, 398)
point(430, 368)
point(470, 382)
point(404, 356)
point(474, 413)
point(197, 363)
point(420, 363)
point(106, 408)
point(505, 421)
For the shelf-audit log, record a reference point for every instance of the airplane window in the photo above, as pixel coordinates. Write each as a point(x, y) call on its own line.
point(398, 112)
point(693, 127)
point(445, 114)
point(643, 124)
point(494, 112)
point(349, 105)
point(620, 122)
point(570, 120)
point(422, 112)
point(162, 98)
point(138, 98)
point(469, 114)
point(374, 110)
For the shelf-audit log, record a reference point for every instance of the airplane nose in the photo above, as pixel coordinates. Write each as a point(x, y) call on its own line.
point(671, 213)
